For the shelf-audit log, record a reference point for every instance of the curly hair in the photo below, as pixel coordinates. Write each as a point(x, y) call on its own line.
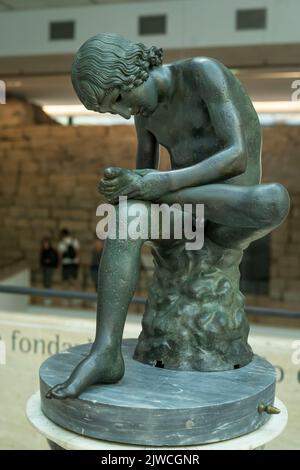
point(109, 61)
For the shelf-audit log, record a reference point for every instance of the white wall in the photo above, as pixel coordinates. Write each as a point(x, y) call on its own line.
point(14, 302)
point(191, 23)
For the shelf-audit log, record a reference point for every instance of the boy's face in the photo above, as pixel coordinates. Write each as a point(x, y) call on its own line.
point(140, 100)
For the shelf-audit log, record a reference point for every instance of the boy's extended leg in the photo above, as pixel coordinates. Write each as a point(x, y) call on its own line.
point(117, 279)
point(118, 275)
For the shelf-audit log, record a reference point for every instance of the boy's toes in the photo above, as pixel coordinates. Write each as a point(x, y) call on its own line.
point(51, 392)
point(55, 392)
point(61, 391)
point(112, 172)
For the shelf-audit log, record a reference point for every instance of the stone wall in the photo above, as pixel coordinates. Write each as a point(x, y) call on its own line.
point(49, 175)
point(19, 112)
point(48, 180)
point(281, 163)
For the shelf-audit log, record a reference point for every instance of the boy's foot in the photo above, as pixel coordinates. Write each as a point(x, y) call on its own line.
point(96, 368)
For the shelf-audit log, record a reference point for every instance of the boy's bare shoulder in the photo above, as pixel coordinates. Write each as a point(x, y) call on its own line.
point(202, 64)
point(208, 75)
point(205, 71)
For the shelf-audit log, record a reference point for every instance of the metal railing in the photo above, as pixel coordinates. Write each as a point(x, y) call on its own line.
point(89, 296)
point(63, 294)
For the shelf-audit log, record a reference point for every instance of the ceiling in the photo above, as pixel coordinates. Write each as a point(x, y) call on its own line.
point(267, 72)
point(273, 85)
point(13, 5)
point(46, 80)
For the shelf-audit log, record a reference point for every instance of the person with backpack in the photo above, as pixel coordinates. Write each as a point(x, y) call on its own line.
point(68, 249)
point(48, 262)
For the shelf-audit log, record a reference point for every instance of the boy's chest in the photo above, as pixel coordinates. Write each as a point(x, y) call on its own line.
point(184, 120)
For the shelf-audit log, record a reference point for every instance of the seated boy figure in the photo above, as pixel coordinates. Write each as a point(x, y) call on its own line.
point(198, 110)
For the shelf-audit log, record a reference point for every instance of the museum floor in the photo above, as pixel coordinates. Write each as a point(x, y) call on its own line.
point(32, 336)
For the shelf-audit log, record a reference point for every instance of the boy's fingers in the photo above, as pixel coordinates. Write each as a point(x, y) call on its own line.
point(109, 183)
point(125, 191)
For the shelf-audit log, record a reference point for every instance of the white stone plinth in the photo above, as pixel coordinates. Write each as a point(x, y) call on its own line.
point(71, 441)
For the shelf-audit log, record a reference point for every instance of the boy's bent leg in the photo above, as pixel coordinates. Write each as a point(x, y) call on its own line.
point(237, 215)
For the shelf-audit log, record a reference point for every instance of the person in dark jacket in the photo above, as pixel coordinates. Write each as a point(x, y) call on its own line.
point(48, 262)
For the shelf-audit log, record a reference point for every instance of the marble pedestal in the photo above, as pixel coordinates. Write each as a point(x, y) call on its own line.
point(63, 439)
point(161, 407)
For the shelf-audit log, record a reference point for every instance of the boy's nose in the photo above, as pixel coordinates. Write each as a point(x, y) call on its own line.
point(122, 111)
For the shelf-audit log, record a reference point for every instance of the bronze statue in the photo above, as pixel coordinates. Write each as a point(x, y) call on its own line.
point(199, 111)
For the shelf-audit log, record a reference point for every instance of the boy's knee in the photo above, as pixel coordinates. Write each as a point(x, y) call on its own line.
point(276, 202)
point(133, 207)
point(133, 216)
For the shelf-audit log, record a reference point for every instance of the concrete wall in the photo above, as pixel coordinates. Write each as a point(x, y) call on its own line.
point(190, 24)
point(13, 302)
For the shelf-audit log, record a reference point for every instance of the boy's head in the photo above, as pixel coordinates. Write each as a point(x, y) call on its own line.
point(64, 233)
point(108, 68)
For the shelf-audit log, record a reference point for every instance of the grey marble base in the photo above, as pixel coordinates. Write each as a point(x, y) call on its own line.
point(161, 407)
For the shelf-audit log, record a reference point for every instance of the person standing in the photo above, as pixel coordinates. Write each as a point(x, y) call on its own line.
point(68, 249)
point(48, 262)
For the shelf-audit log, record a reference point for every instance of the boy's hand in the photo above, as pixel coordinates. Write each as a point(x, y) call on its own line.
point(147, 185)
point(118, 182)
point(153, 185)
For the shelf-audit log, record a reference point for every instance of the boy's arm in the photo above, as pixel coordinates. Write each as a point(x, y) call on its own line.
point(147, 147)
point(232, 159)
